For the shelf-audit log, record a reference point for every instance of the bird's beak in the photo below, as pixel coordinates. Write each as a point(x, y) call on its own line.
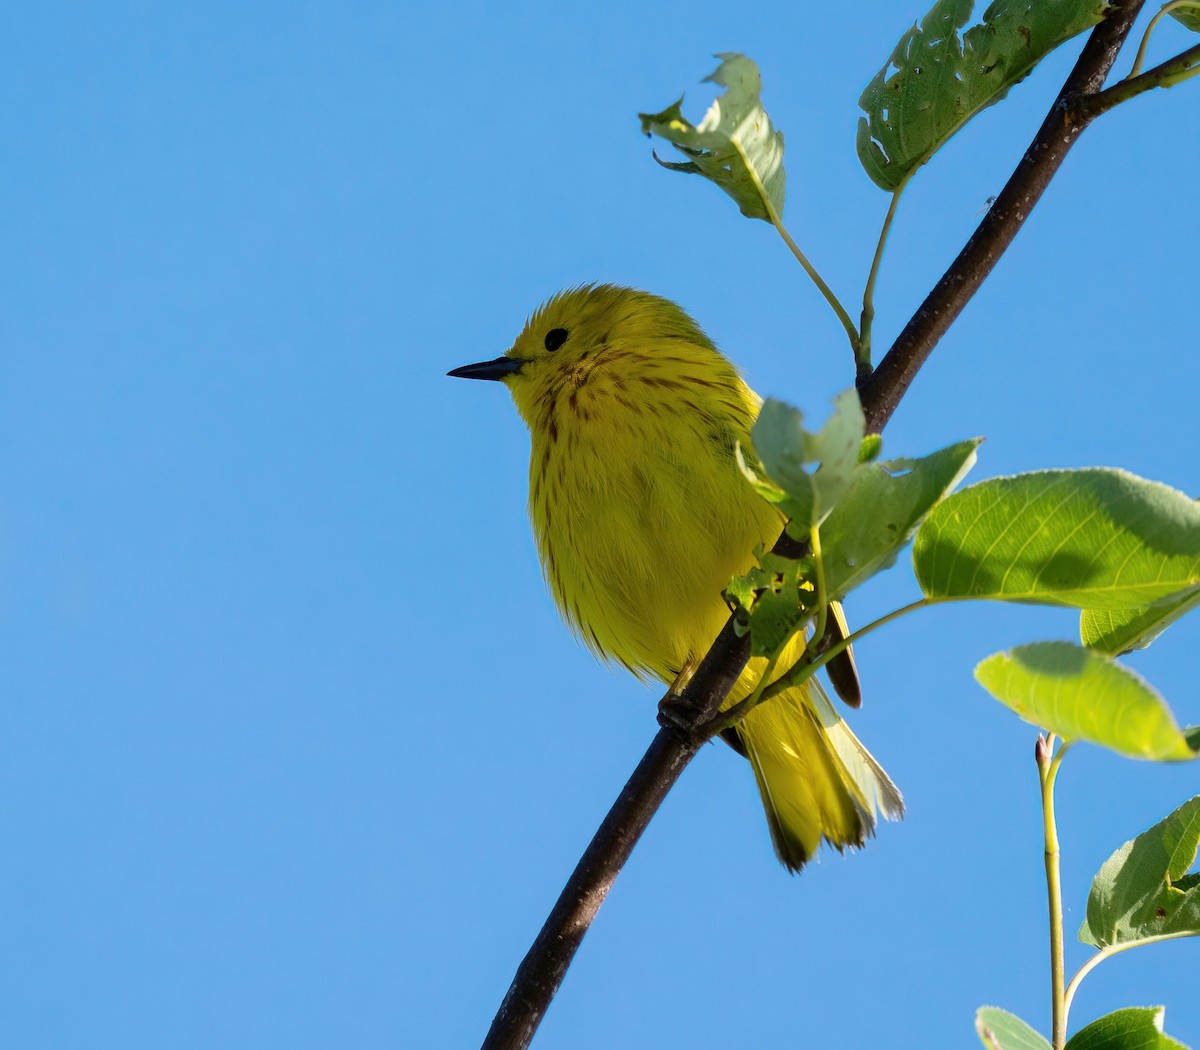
point(500, 368)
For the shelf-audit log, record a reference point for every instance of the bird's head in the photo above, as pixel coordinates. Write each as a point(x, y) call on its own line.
point(595, 336)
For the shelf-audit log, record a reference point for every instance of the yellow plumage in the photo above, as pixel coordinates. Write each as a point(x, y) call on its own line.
point(642, 517)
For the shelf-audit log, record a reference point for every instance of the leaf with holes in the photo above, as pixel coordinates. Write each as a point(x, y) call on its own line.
point(734, 145)
point(772, 601)
point(937, 79)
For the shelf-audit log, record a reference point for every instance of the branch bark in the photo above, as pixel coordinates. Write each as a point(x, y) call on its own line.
point(545, 964)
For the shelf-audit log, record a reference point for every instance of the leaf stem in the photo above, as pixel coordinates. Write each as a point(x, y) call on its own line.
point(803, 670)
point(1108, 952)
point(1166, 9)
point(1047, 774)
point(801, 258)
point(863, 354)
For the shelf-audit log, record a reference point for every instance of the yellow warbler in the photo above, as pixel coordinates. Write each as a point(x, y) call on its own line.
point(642, 517)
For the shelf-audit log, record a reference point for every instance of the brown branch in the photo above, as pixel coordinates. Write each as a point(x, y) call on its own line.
point(542, 970)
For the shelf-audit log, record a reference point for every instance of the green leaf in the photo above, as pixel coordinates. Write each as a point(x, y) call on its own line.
point(735, 145)
point(1081, 695)
point(937, 80)
point(999, 1030)
point(1143, 890)
point(1117, 631)
point(867, 528)
point(885, 505)
point(1095, 539)
point(1188, 16)
point(871, 446)
point(1134, 1028)
point(772, 601)
point(785, 450)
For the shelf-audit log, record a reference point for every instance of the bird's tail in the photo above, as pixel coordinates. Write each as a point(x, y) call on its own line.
point(817, 781)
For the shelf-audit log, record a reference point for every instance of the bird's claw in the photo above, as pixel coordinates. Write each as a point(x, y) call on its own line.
point(676, 713)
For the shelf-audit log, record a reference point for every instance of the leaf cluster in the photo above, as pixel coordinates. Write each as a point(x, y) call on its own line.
point(1122, 550)
point(1141, 895)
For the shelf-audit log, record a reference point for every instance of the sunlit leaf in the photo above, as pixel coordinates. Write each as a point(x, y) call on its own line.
point(874, 521)
point(734, 145)
point(1095, 539)
point(1134, 1028)
point(787, 451)
point(937, 79)
point(1081, 695)
point(1116, 631)
point(999, 1030)
point(1144, 890)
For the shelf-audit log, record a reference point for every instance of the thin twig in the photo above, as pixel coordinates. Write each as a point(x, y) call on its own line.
point(1108, 952)
point(1166, 74)
point(776, 220)
point(863, 357)
point(542, 970)
point(1048, 761)
point(1162, 12)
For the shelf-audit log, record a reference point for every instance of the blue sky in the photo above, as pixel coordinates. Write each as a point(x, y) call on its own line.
point(295, 751)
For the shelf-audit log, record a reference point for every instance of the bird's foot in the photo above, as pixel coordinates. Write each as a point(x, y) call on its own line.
point(676, 713)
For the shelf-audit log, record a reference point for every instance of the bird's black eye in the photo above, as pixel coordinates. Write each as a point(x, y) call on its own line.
point(556, 337)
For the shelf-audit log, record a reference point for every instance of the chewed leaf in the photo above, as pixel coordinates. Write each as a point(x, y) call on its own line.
point(1090, 539)
point(1081, 695)
point(937, 79)
point(787, 450)
point(772, 601)
point(734, 145)
point(1144, 889)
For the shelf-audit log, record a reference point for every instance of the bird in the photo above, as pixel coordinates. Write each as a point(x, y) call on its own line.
point(642, 516)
